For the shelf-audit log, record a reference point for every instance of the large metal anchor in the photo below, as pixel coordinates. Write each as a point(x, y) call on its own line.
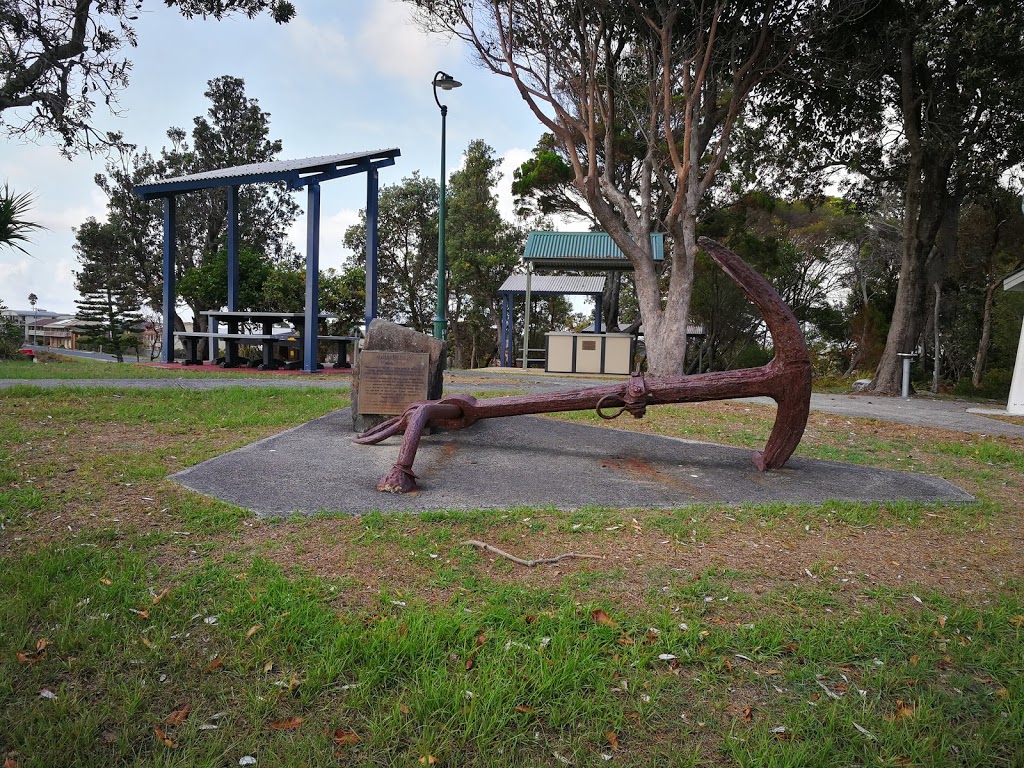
point(786, 379)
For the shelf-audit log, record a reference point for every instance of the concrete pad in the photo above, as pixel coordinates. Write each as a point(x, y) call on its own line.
point(529, 460)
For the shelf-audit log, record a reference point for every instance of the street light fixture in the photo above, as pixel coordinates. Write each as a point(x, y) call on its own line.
point(445, 82)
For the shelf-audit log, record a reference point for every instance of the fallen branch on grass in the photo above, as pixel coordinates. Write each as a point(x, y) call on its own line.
point(527, 563)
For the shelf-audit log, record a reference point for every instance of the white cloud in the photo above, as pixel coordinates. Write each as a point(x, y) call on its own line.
point(391, 40)
point(510, 161)
point(332, 231)
point(323, 48)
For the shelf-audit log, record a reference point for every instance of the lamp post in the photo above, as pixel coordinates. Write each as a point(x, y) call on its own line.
point(445, 82)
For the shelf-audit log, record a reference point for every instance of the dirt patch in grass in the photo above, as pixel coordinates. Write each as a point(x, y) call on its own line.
point(87, 481)
point(640, 562)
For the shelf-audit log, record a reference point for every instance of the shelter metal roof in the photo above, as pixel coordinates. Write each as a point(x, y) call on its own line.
point(583, 250)
point(563, 285)
point(296, 173)
point(1014, 282)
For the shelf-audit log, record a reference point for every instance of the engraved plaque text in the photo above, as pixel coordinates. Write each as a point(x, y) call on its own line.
point(389, 381)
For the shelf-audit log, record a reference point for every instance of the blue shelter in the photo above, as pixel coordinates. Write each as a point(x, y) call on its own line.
point(307, 172)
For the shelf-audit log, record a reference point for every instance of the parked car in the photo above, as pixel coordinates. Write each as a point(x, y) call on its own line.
point(26, 351)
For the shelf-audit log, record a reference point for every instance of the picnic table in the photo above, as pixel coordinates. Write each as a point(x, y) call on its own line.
point(237, 336)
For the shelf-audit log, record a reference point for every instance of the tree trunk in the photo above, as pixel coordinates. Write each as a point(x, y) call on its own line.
point(936, 349)
point(981, 359)
point(610, 301)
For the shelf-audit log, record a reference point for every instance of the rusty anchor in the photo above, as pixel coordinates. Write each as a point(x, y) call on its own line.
point(786, 379)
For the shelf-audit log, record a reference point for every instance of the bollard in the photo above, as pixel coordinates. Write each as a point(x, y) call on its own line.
point(908, 358)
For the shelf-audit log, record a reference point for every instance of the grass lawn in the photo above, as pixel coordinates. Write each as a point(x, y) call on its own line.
point(143, 624)
point(55, 366)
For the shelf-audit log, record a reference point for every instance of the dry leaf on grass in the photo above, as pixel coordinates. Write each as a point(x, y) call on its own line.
point(602, 618)
point(10, 763)
point(162, 595)
point(346, 738)
point(613, 739)
point(179, 715)
point(285, 724)
point(34, 657)
point(162, 737)
point(106, 582)
point(253, 630)
point(217, 663)
point(428, 760)
point(404, 709)
point(523, 708)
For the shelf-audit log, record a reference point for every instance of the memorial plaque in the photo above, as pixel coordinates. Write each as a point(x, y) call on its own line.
point(389, 381)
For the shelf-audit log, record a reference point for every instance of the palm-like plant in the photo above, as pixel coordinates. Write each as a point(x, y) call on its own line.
point(14, 228)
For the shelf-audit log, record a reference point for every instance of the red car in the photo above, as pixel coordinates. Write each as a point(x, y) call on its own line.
point(29, 352)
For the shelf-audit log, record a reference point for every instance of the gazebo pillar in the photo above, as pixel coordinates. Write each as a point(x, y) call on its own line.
point(371, 245)
point(170, 251)
point(311, 328)
point(233, 273)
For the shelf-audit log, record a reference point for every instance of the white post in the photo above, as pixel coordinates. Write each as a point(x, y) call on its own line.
point(908, 358)
point(526, 319)
point(1015, 403)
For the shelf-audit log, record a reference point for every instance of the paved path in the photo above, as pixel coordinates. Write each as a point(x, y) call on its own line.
point(922, 411)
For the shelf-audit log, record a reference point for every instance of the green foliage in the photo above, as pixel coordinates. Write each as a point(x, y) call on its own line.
point(10, 337)
point(344, 294)
point(61, 59)
point(543, 184)
point(994, 386)
point(110, 305)
point(407, 225)
point(483, 250)
point(14, 227)
point(207, 284)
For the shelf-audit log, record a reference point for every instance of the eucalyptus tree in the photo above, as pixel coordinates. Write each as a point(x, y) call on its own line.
point(664, 82)
point(924, 96)
point(59, 58)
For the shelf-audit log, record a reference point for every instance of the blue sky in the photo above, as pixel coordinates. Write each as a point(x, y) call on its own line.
point(344, 76)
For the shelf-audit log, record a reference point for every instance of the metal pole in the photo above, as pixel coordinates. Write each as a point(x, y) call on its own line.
point(526, 318)
point(906, 378)
point(439, 316)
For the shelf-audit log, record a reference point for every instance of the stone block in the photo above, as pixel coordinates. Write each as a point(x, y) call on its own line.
point(385, 336)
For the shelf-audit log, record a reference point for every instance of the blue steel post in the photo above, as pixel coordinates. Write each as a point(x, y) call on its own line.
point(501, 333)
point(371, 245)
point(233, 276)
point(170, 247)
point(311, 329)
